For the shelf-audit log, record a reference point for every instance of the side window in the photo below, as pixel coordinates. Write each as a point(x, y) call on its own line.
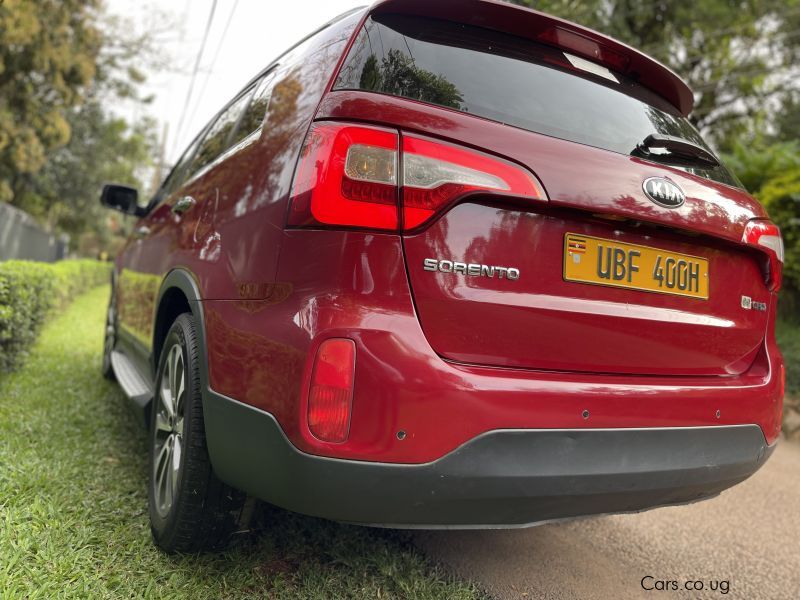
point(218, 137)
point(177, 176)
point(253, 117)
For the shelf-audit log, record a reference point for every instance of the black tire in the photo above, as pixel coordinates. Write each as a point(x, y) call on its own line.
point(110, 336)
point(198, 512)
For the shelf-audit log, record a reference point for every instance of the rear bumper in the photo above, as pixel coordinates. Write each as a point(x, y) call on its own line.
point(261, 353)
point(502, 478)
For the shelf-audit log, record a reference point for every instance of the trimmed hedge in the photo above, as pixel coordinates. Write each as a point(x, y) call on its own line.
point(31, 291)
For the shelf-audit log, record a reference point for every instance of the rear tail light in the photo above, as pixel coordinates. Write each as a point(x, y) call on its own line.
point(347, 176)
point(766, 236)
point(435, 174)
point(330, 396)
point(352, 176)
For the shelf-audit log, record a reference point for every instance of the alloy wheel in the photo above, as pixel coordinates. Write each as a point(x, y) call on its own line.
point(168, 435)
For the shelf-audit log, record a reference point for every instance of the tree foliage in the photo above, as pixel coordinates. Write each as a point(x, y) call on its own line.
point(47, 58)
point(740, 57)
point(62, 63)
point(787, 120)
point(757, 162)
point(103, 148)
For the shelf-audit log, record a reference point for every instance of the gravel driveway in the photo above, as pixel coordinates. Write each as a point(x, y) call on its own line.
point(746, 541)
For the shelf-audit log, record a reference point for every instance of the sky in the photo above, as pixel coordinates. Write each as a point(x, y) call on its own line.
point(257, 32)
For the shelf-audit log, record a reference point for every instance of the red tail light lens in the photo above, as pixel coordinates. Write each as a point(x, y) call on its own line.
point(346, 176)
point(435, 174)
point(330, 397)
point(349, 176)
point(767, 236)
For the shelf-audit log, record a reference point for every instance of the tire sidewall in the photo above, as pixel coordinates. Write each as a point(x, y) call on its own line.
point(111, 320)
point(181, 333)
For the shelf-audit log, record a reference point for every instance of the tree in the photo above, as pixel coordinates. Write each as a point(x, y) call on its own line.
point(102, 147)
point(787, 120)
point(757, 161)
point(47, 58)
point(64, 63)
point(739, 56)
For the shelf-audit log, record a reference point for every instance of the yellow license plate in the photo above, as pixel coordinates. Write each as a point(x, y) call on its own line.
point(607, 262)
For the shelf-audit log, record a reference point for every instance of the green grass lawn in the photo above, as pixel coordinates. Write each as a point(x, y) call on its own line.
point(73, 508)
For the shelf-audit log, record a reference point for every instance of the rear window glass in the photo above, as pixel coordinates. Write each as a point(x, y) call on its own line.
point(511, 80)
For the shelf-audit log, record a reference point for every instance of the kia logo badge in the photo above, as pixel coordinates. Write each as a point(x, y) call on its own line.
point(663, 192)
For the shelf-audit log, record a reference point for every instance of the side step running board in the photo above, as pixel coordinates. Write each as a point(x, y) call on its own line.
point(136, 388)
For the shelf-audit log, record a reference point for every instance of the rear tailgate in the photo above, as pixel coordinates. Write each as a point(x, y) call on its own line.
point(542, 321)
point(694, 307)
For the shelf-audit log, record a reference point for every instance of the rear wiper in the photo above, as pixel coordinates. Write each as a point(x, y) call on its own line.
point(678, 152)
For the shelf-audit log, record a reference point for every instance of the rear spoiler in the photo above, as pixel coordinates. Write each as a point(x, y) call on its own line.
point(546, 29)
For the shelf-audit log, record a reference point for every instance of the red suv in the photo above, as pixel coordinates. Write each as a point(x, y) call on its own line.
point(447, 264)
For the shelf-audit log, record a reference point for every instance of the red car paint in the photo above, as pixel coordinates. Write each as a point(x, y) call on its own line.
point(442, 360)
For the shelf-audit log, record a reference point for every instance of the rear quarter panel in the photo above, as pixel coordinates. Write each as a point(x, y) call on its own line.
point(239, 241)
point(230, 240)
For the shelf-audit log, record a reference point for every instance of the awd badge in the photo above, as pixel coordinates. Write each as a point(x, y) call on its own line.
point(749, 304)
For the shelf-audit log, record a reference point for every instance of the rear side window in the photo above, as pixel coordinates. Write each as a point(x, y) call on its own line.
point(221, 134)
point(177, 176)
point(511, 80)
point(253, 116)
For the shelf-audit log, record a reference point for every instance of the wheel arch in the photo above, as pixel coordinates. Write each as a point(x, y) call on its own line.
point(180, 293)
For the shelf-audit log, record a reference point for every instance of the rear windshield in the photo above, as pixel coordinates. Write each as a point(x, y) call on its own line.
point(513, 81)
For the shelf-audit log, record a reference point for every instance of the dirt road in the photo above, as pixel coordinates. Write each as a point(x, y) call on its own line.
point(746, 541)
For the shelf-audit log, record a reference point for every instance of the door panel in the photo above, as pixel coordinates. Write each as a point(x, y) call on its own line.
point(142, 265)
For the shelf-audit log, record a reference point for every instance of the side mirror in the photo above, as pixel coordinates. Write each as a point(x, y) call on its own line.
point(122, 198)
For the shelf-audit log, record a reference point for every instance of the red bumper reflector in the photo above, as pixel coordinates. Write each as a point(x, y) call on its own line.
point(330, 397)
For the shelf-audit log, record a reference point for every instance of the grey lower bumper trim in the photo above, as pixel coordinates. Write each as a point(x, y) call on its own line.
point(501, 478)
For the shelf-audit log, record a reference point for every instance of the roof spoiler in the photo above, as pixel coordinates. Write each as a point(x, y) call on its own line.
point(546, 29)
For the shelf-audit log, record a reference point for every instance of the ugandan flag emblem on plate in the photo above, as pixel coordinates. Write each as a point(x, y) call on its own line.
point(576, 247)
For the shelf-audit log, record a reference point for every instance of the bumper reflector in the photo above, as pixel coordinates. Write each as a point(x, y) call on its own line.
point(330, 397)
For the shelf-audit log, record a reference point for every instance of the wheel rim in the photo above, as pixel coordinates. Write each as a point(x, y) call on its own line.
point(168, 438)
